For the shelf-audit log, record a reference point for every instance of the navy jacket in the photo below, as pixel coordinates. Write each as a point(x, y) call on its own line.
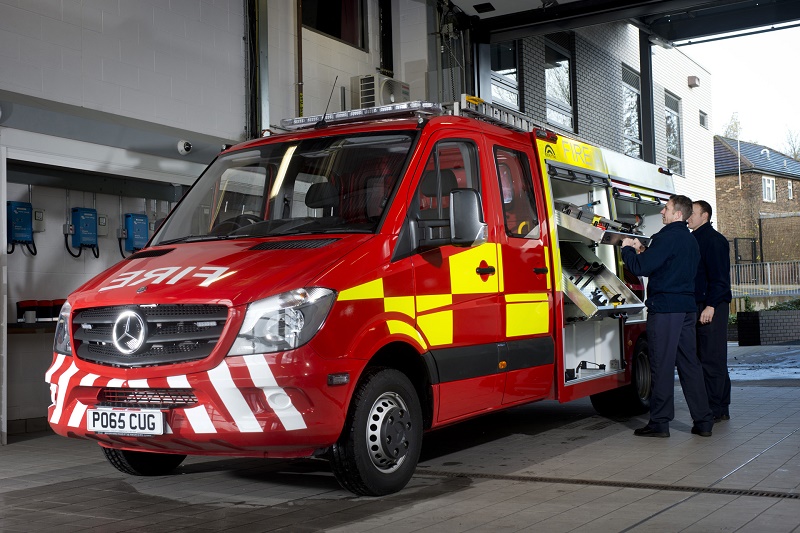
point(712, 285)
point(670, 263)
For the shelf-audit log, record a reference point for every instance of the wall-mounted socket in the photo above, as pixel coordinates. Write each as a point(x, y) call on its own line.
point(69, 229)
point(122, 233)
point(38, 220)
point(102, 225)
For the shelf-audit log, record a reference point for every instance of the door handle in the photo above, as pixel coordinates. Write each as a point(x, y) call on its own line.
point(484, 271)
point(540, 270)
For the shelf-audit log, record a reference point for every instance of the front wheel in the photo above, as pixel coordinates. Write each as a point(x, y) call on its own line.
point(634, 398)
point(143, 463)
point(382, 438)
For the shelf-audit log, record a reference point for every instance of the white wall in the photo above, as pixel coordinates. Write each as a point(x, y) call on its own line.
point(179, 63)
point(53, 273)
point(671, 70)
point(324, 58)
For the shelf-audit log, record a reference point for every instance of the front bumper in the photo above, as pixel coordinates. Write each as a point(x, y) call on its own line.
point(274, 405)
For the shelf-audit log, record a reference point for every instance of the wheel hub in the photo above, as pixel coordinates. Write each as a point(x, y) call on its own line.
point(388, 432)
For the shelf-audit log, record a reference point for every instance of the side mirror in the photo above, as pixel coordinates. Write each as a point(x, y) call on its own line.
point(467, 227)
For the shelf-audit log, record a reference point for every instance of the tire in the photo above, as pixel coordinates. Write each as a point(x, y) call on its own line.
point(143, 463)
point(632, 399)
point(378, 450)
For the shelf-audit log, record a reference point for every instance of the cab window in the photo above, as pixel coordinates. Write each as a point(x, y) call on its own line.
point(451, 165)
point(516, 191)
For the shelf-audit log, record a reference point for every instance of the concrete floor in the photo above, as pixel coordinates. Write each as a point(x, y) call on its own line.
point(544, 467)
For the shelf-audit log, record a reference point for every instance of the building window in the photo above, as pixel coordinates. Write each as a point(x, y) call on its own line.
point(672, 106)
point(559, 81)
point(343, 19)
point(703, 120)
point(768, 189)
point(505, 76)
point(789, 189)
point(631, 113)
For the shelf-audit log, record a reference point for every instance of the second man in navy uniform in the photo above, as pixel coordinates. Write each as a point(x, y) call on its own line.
point(713, 296)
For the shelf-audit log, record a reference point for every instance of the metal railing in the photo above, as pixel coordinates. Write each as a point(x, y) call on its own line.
point(780, 278)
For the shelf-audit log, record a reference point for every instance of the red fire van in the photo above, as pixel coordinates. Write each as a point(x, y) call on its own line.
point(339, 290)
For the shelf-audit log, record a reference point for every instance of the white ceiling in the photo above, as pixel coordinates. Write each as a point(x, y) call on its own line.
point(504, 7)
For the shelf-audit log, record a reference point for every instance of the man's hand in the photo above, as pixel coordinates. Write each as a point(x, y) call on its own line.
point(707, 315)
point(636, 244)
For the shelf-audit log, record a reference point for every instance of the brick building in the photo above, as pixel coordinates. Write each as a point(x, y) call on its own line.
point(757, 201)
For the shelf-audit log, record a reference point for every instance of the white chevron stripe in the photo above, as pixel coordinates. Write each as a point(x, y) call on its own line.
point(138, 384)
point(80, 408)
point(56, 365)
point(88, 380)
point(263, 378)
point(63, 381)
point(115, 383)
point(199, 420)
point(178, 382)
point(233, 399)
point(197, 416)
point(77, 415)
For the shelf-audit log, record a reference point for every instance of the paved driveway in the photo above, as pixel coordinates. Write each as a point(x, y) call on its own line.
point(544, 467)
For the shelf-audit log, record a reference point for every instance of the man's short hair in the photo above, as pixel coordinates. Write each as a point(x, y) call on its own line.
point(683, 204)
point(705, 207)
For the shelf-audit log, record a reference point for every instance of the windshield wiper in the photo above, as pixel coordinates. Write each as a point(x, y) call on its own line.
point(201, 238)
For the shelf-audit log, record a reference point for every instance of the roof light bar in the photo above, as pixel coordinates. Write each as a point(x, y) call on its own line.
point(402, 109)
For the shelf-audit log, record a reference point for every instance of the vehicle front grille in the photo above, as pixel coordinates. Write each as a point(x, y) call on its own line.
point(147, 335)
point(147, 398)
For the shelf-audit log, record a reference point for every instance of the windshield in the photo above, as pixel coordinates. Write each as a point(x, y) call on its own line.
point(338, 184)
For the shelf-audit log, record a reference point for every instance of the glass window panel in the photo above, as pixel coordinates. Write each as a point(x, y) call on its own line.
point(631, 114)
point(558, 87)
point(516, 189)
point(341, 19)
point(673, 140)
point(505, 81)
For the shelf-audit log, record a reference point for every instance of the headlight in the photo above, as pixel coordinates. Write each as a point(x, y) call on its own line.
point(61, 343)
point(283, 322)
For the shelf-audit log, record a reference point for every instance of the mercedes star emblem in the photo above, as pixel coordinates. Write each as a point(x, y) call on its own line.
point(129, 333)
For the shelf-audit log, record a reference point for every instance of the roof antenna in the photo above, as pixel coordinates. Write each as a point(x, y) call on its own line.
point(321, 123)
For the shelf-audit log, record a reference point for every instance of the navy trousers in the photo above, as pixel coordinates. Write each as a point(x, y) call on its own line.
point(712, 350)
point(671, 341)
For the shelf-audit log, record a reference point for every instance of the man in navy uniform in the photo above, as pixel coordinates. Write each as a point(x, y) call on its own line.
point(670, 262)
point(713, 296)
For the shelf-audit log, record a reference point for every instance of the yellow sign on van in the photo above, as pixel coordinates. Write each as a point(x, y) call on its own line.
point(575, 153)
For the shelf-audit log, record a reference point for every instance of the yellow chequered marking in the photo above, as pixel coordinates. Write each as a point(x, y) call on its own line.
point(526, 297)
point(401, 328)
point(547, 265)
point(501, 281)
point(530, 318)
point(437, 327)
point(366, 291)
point(400, 304)
point(464, 280)
point(433, 301)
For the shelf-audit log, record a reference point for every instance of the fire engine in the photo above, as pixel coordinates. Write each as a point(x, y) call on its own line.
point(340, 289)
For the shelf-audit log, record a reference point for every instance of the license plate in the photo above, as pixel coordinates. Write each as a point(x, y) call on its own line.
point(127, 422)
